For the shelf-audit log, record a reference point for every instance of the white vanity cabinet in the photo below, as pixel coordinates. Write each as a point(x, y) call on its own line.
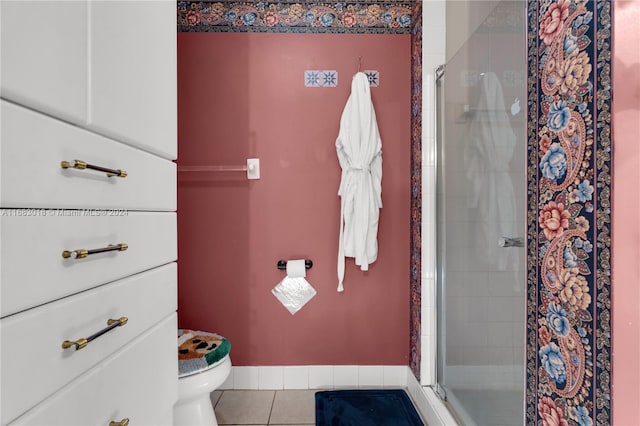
point(133, 66)
point(44, 56)
point(108, 65)
point(88, 239)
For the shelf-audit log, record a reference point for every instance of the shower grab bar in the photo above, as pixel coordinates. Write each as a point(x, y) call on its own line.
point(282, 264)
point(511, 242)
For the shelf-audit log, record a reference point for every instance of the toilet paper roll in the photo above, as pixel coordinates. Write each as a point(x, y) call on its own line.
point(296, 268)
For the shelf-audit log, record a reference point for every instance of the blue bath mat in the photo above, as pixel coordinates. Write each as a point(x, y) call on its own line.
point(365, 407)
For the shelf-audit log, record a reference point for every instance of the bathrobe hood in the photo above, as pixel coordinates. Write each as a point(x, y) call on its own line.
point(359, 151)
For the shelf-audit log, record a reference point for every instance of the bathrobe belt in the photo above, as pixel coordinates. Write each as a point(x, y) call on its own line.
point(347, 189)
point(358, 167)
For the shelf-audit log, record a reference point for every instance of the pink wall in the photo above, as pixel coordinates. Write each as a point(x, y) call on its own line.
point(242, 95)
point(626, 214)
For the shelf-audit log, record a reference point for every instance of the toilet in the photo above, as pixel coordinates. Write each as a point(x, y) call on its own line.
point(203, 366)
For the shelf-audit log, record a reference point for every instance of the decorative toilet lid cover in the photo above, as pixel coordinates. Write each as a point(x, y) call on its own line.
point(199, 351)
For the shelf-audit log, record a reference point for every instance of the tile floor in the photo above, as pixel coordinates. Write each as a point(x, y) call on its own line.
point(265, 407)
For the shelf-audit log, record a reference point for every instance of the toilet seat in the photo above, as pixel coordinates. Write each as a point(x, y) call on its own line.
point(204, 364)
point(199, 351)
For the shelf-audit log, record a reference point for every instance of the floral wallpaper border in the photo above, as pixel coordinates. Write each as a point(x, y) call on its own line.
point(287, 16)
point(568, 357)
point(415, 260)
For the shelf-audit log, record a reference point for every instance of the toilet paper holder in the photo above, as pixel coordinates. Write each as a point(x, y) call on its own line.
point(282, 264)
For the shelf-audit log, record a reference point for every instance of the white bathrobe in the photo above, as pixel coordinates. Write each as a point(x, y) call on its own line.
point(360, 153)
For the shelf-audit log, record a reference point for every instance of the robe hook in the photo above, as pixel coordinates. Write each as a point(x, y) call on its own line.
point(359, 63)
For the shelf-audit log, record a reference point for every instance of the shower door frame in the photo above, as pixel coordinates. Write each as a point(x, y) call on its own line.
point(440, 256)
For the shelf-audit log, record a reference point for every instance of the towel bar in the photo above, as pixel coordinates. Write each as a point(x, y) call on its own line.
point(252, 168)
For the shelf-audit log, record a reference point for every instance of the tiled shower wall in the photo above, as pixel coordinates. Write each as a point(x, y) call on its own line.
point(486, 302)
point(485, 297)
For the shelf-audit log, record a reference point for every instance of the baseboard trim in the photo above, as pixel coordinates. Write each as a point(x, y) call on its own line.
point(325, 377)
point(316, 377)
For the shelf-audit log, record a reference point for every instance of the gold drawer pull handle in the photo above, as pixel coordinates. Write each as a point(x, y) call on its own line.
point(81, 343)
point(82, 253)
point(81, 165)
point(123, 422)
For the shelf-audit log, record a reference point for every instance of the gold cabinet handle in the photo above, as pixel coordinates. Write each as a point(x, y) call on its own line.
point(81, 343)
point(81, 165)
point(123, 422)
point(82, 253)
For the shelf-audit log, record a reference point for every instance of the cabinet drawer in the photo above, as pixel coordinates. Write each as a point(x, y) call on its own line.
point(33, 270)
point(34, 364)
point(33, 147)
point(130, 384)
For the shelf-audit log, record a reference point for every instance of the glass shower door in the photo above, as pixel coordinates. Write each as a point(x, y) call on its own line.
point(481, 214)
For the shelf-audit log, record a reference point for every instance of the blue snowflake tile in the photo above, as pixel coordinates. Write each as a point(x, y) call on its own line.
point(313, 78)
point(330, 78)
point(374, 77)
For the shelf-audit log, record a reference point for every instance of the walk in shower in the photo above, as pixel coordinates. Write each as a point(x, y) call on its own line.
point(481, 214)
